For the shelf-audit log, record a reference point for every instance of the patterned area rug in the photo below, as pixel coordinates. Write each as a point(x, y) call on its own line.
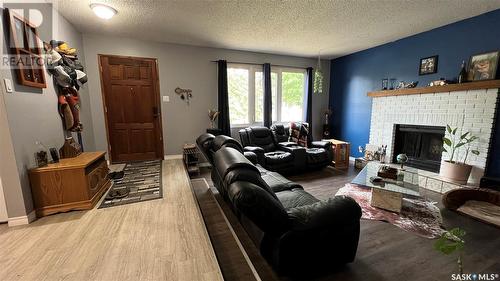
point(417, 215)
point(143, 179)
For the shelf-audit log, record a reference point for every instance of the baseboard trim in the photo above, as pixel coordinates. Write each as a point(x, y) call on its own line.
point(172, 157)
point(22, 220)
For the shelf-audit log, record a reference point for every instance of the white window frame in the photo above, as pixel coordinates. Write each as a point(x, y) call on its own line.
point(279, 71)
point(252, 69)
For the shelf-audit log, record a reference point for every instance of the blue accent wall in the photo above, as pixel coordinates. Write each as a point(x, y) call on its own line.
point(353, 76)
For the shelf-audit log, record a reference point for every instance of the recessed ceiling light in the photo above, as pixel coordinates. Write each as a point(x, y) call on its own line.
point(103, 11)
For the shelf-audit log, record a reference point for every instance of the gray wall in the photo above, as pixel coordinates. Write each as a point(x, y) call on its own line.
point(32, 115)
point(186, 67)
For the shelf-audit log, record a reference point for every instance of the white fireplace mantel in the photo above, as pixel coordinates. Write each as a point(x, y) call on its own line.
point(470, 110)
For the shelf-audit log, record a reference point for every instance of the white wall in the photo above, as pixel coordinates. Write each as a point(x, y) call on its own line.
point(186, 67)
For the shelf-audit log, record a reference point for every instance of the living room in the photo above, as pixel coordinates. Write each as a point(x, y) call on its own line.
point(250, 140)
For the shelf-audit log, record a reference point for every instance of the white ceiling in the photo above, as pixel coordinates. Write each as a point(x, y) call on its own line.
point(295, 27)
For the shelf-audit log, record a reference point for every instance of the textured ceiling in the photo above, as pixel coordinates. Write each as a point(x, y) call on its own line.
point(296, 27)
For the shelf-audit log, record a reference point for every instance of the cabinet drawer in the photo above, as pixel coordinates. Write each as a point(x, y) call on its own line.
point(97, 177)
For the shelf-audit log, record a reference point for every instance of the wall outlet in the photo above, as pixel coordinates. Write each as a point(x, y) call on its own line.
point(166, 98)
point(8, 85)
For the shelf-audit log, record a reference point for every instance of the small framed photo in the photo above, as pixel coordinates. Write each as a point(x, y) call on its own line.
point(483, 66)
point(428, 65)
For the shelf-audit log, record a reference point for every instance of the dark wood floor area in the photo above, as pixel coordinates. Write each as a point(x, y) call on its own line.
point(232, 261)
point(386, 252)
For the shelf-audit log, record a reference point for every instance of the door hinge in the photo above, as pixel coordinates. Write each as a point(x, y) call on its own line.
point(106, 109)
point(109, 148)
point(100, 68)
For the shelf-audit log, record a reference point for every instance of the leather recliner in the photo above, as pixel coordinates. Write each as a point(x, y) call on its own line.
point(319, 154)
point(270, 155)
point(209, 144)
point(270, 144)
point(297, 233)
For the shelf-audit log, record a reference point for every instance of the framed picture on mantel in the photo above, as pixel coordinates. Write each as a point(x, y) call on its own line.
point(483, 66)
point(428, 65)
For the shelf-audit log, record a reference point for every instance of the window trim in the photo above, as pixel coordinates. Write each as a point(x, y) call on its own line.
point(254, 68)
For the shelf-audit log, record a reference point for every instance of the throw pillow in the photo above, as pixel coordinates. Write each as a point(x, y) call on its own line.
point(298, 133)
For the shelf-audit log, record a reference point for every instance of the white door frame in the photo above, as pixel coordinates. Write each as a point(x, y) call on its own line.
point(3, 208)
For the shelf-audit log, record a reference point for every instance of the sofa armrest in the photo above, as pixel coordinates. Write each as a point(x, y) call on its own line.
point(287, 144)
point(251, 156)
point(321, 144)
point(325, 145)
point(259, 151)
point(298, 152)
point(340, 210)
point(254, 149)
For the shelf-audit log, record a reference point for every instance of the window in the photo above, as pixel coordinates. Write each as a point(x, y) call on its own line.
point(246, 94)
point(290, 100)
point(239, 92)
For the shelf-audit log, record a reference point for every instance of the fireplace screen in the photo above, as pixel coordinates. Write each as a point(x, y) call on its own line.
point(422, 144)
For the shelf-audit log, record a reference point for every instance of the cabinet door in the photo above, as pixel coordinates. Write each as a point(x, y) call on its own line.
point(97, 177)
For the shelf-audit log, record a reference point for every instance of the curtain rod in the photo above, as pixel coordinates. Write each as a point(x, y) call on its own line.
point(249, 63)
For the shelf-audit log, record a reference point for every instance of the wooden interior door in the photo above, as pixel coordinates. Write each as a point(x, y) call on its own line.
point(132, 107)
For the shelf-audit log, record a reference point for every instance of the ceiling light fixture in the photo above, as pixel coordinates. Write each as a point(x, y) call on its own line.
point(103, 11)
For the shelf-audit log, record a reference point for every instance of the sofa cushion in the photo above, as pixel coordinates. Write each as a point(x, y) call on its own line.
point(277, 182)
point(222, 140)
point(259, 206)
point(278, 157)
point(295, 198)
point(280, 133)
point(244, 137)
point(262, 137)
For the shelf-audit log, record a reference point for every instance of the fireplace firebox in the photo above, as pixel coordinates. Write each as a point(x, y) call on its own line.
point(422, 144)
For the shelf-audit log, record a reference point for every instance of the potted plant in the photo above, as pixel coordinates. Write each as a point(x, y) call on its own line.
point(453, 169)
point(450, 242)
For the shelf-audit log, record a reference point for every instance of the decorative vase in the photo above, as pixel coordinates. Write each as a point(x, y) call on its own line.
point(455, 172)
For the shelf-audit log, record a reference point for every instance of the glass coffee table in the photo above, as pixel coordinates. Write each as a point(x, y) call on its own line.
point(388, 193)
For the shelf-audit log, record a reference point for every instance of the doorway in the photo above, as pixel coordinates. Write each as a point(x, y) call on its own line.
point(131, 99)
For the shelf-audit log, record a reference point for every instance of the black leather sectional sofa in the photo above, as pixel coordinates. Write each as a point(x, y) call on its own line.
point(296, 233)
point(276, 153)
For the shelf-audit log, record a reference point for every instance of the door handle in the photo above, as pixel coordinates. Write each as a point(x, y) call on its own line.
point(155, 112)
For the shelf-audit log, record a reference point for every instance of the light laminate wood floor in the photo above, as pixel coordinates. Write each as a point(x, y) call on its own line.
point(162, 239)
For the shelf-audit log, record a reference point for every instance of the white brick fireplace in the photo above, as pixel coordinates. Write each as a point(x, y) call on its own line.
point(472, 110)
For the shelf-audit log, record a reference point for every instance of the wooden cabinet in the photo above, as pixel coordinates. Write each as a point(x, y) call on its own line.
point(341, 153)
point(72, 184)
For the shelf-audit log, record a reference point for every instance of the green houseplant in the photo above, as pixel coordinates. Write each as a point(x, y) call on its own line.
point(450, 242)
point(456, 168)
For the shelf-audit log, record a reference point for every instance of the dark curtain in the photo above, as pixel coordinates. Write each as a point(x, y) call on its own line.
point(309, 101)
point(223, 99)
point(268, 97)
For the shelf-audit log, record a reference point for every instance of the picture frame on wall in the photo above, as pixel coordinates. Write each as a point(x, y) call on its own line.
point(483, 66)
point(428, 65)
